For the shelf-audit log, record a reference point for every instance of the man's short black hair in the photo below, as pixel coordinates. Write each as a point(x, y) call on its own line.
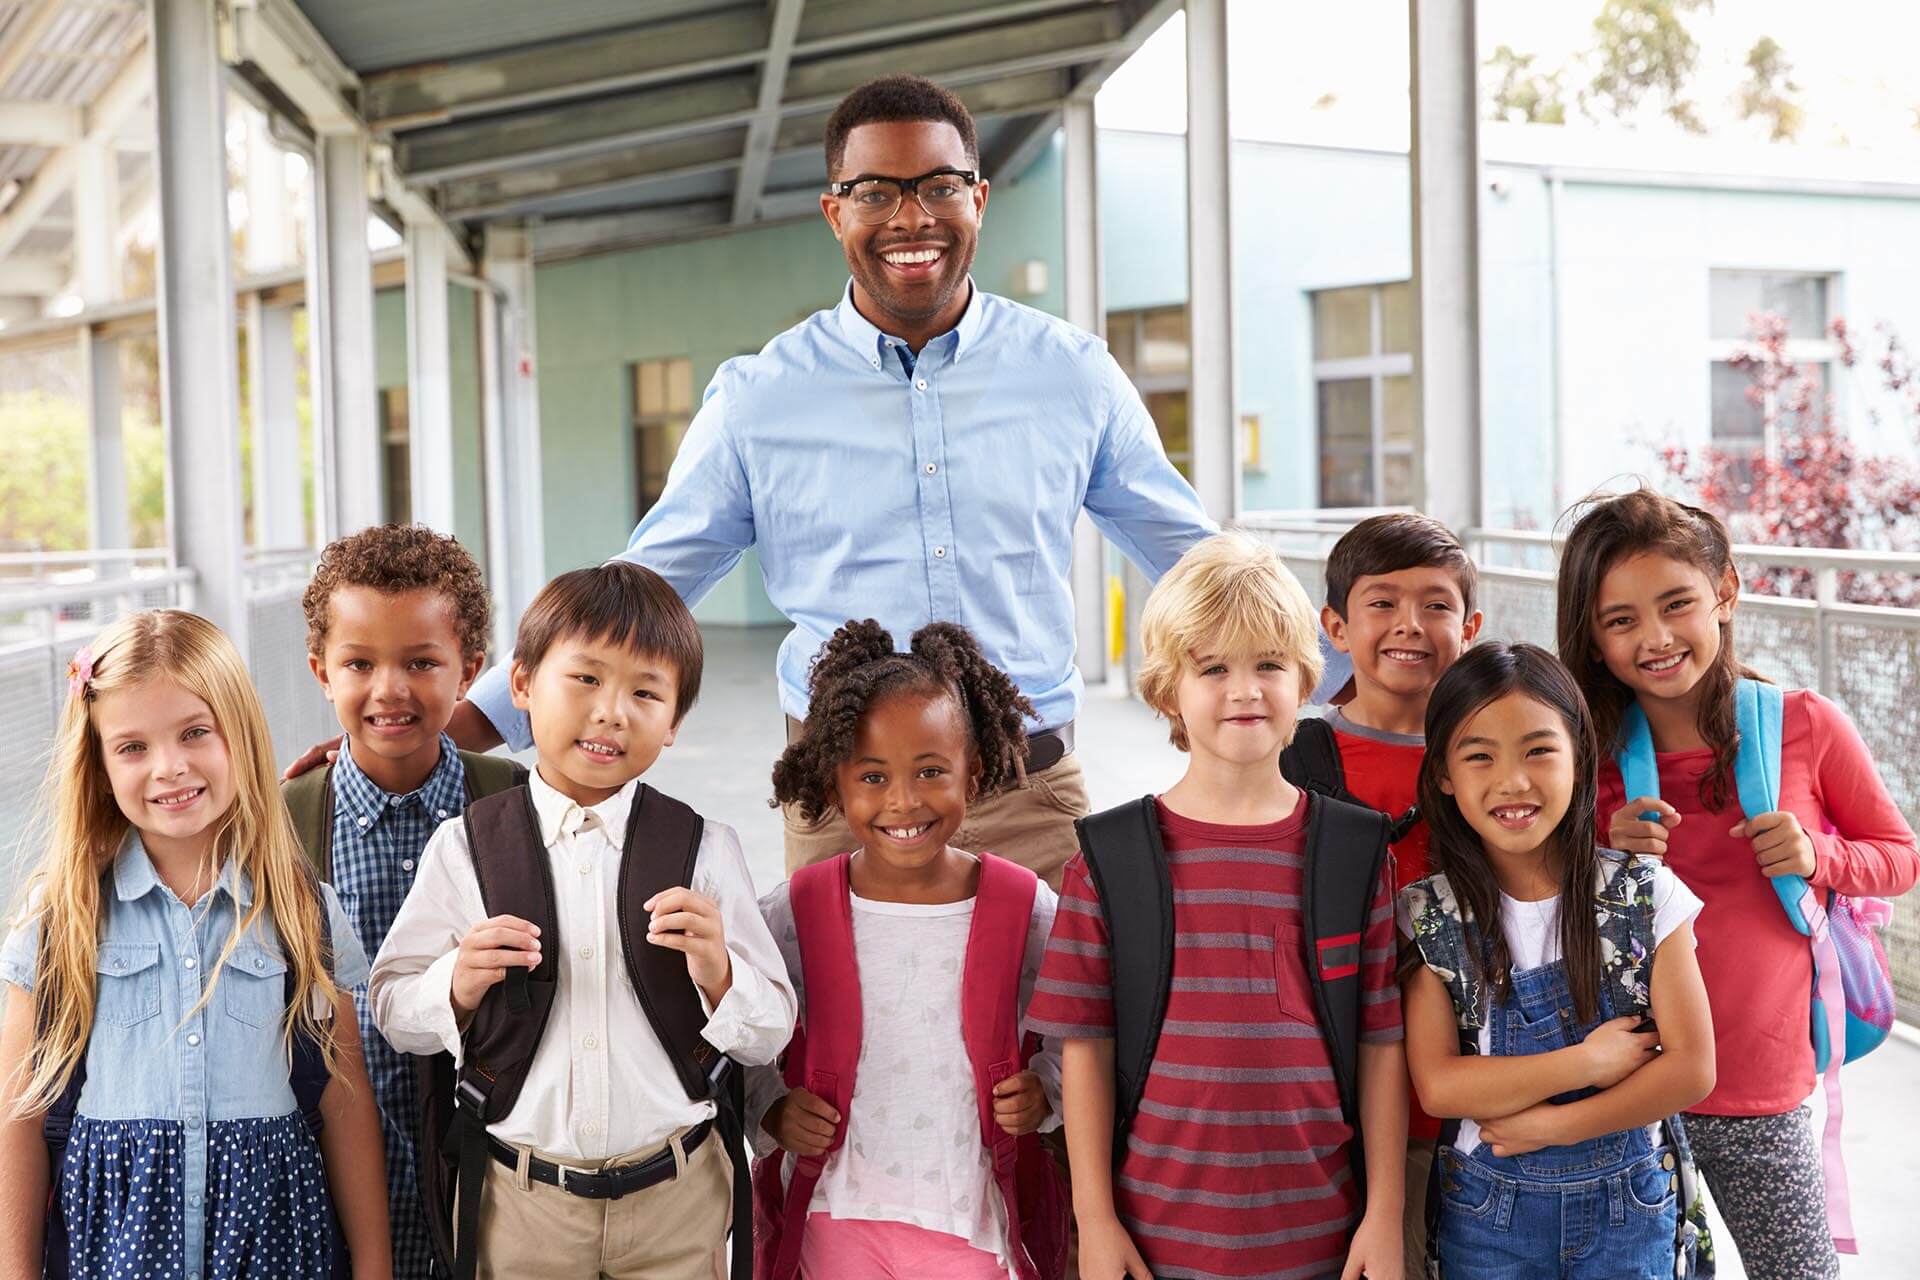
point(896, 100)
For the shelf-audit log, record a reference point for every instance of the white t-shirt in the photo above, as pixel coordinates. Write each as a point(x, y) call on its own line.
point(1533, 940)
point(913, 1152)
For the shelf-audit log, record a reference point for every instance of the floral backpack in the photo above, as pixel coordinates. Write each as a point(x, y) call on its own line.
point(1623, 908)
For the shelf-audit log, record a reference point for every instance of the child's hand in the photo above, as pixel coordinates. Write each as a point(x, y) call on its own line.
point(1019, 1104)
point(802, 1123)
point(318, 754)
point(1107, 1252)
point(490, 949)
point(1628, 832)
point(1523, 1131)
point(1779, 844)
point(686, 921)
point(1615, 1051)
point(1377, 1251)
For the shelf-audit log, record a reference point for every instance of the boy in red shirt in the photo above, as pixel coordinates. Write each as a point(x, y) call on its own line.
point(1400, 591)
point(1236, 1159)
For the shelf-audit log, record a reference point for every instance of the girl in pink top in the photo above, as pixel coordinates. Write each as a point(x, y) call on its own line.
point(1647, 594)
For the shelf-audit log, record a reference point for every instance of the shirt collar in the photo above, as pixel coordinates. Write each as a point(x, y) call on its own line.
point(134, 877)
point(561, 815)
point(443, 793)
point(867, 339)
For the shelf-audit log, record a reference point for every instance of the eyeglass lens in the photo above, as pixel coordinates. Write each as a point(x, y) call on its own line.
point(942, 196)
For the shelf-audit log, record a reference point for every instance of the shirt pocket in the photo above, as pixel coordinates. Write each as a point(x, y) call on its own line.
point(128, 983)
point(1292, 987)
point(254, 986)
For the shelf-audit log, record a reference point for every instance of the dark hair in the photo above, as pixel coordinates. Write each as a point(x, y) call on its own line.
point(1488, 671)
point(397, 558)
point(618, 603)
point(1390, 543)
point(1612, 529)
point(898, 99)
point(858, 667)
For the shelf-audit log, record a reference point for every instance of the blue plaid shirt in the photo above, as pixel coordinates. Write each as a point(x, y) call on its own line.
point(377, 839)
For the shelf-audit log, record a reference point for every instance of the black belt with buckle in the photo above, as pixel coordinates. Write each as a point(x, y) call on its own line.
point(605, 1184)
point(1049, 747)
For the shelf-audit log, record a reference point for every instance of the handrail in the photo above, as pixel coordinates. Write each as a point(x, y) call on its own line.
point(53, 594)
point(1841, 558)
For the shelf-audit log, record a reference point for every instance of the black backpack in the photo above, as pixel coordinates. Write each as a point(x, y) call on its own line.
point(1346, 852)
point(307, 1074)
point(509, 860)
point(1312, 761)
point(309, 799)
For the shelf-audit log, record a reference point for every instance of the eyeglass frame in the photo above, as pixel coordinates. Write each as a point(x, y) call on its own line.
point(906, 187)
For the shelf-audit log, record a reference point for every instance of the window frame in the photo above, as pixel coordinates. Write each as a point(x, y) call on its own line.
point(1374, 368)
point(1822, 351)
point(672, 423)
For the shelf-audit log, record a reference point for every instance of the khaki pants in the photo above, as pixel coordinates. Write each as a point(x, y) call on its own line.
point(1413, 1224)
point(673, 1230)
point(1030, 823)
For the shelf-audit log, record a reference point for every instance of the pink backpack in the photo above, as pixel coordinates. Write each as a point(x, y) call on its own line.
point(825, 1052)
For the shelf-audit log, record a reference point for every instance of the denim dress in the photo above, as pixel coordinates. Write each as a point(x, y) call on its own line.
point(188, 1156)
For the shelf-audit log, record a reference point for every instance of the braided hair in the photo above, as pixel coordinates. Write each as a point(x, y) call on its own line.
point(858, 667)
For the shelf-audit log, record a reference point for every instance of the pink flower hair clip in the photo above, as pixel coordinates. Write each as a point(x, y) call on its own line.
point(80, 672)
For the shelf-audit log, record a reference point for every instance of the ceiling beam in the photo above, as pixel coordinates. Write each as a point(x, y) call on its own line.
point(29, 28)
point(546, 137)
point(276, 38)
point(573, 235)
point(40, 124)
point(35, 275)
point(105, 116)
point(757, 155)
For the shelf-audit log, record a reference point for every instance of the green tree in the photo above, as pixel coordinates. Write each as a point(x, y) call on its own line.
point(1769, 92)
point(1522, 95)
point(43, 474)
point(1644, 52)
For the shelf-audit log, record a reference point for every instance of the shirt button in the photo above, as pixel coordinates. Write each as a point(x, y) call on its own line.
point(584, 868)
point(922, 384)
point(589, 1128)
point(406, 864)
point(876, 362)
point(363, 822)
point(586, 953)
point(193, 1037)
point(931, 468)
point(258, 963)
point(186, 962)
point(193, 1122)
point(119, 963)
point(591, 1042)
point(439, 813)
point(396, 801)
point(194, 1199)
point(939, 553)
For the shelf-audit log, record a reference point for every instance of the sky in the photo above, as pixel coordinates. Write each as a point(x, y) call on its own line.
point(1338, 72)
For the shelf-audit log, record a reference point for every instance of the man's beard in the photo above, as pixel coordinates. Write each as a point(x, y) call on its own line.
point(871, 273)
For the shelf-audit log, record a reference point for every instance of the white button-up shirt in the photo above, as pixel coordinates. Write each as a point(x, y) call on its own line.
point(601, 1084)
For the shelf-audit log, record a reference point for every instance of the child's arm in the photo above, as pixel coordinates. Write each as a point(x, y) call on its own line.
point(355, 1156)
point(1679, 1076)
point(1377, 1251)
point(1477, 1086)
point(412, 988)
point(23, 1148)
point(1107, 1252)
point(1044, 1066)
point(1871, 852)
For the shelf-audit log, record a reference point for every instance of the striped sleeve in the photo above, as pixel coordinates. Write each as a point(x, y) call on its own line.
point(1379, 964)
point(1073, 997)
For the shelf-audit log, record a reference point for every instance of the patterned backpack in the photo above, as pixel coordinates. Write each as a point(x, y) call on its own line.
point(1623, 908)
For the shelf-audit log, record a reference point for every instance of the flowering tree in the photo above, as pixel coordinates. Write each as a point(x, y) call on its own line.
point(1812, 486)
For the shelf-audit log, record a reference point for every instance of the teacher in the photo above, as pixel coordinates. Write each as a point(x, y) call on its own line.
point(920, 452)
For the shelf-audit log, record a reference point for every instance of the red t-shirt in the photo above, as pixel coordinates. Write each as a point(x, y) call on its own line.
point(1758, 968)
point(1237, 1163)
point(1383, 772)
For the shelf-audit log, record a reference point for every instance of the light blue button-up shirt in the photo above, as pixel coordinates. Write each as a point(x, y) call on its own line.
point(146, 1059)
point(912, 490)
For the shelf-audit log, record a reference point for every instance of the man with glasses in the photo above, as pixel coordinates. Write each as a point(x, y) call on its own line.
point(918, 453)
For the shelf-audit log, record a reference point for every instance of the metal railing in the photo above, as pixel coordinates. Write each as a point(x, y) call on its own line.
point(1865, 658)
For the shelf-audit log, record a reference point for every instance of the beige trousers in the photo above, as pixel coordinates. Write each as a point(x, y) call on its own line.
point(673, 1230)
point(1030, 823)
point(1413, 1223)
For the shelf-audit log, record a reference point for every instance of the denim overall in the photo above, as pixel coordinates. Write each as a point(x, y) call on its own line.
point(1622, 1206)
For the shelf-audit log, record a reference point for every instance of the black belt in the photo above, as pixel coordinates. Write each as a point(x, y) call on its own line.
point(606, 1184)
point(1049, 747)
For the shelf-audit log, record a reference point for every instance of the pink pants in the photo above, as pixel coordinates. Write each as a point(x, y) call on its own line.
point(853, 1249)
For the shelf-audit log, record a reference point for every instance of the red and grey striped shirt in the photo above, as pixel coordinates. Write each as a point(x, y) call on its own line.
point(1237, 1164)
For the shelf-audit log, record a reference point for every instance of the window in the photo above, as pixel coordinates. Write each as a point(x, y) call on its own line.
point(395, 438)
point(1738, 423)
point(662, 408)
point(1363, 385)
point(1151, 349)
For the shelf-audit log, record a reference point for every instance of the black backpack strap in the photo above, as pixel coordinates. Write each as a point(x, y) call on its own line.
point(309, 799)
point(1312, 759)
point(1128, 862)
point(1346, 854)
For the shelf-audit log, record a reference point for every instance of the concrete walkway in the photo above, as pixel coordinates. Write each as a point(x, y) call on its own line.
point(723, 760)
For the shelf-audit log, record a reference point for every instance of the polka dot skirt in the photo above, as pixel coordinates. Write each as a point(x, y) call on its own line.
point(268, 1211)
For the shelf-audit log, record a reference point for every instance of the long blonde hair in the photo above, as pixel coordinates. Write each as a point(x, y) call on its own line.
point(84, 830)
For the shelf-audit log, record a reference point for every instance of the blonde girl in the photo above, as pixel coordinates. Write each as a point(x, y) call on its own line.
point(173, 961)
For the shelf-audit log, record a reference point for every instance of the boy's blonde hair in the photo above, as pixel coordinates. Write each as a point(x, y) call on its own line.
point(82, 831)
point(1228, 595)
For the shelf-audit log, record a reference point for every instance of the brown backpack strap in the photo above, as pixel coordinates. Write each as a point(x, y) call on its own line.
point(490, 774)
point(662, 842)
point(309, 799)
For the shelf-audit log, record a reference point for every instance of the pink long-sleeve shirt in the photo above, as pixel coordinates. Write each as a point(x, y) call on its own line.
point(1758, 968)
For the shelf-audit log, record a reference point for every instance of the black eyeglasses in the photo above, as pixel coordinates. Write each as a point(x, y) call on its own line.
point(942, 193)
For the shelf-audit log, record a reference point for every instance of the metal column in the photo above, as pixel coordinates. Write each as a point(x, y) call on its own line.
point(1211, 421)
point(279, 490)
point(1446, 260)
point(199, 376)
point(1086, 309)
point(340, 341)
point(96, 219)
point(515, 515)
point(429, 382)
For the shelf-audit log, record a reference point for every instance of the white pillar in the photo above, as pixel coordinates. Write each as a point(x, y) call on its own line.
point(1446, 260)
point(269, 227)
point(1211, 422)
point(515, 515)
point(279, 489)
point(340, 341)
point(96, 263)
point(199, 377)
point(1086, 308)
point(429, 381)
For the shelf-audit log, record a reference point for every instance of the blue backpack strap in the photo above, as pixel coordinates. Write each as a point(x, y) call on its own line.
point(1759, 715)
point(1639, 770)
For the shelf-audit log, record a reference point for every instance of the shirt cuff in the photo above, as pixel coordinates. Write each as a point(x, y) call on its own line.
point(494, 697)
point(435, 992)
point(736, 1026)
